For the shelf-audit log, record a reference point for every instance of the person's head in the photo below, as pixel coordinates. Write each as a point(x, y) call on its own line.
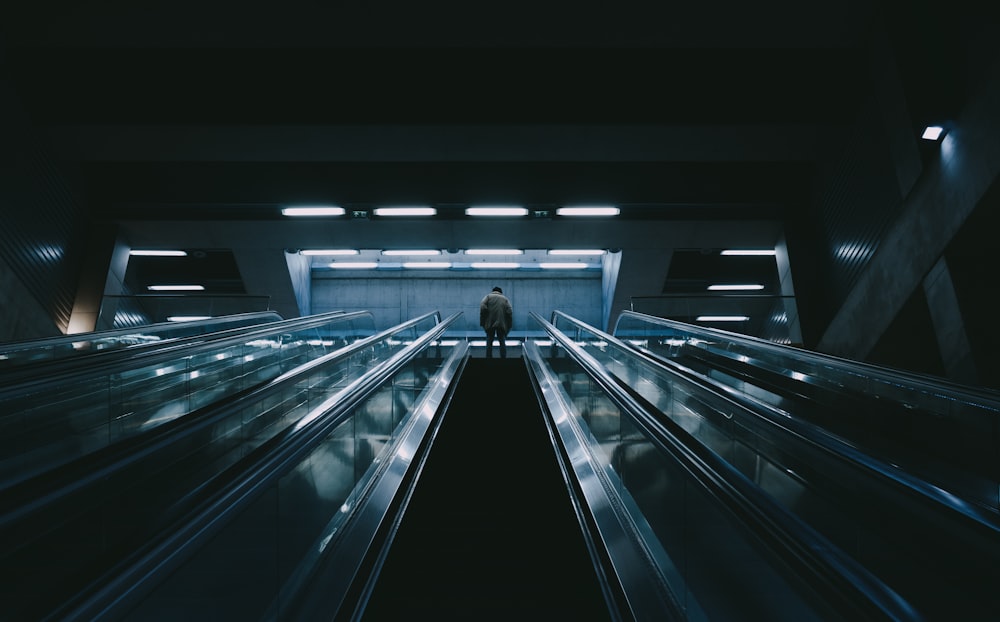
point(498, 290)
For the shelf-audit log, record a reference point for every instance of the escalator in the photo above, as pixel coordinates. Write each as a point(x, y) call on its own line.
point(489, 531)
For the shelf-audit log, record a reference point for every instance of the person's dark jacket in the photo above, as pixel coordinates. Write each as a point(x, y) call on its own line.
point(496, 312)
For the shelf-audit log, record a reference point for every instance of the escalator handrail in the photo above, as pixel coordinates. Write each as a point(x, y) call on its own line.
point(983, 519)
point(980, 396)
point(60, 340)
point(25, 377)
point(108, 595)
point(32, 495)
point(817, 561)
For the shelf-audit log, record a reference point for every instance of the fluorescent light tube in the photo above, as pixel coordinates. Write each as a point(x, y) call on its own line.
point(329, 251)
point(313, 211)
point(176, 288)
point(155, 253)
point(496, 265)
point(573, 265)
point(405, 211)
point(411, 252)
point(494, 251)
point(721, 318)
point(188, 318)
point(496, 211)
point(735, 288)
point(587, 211)
point(748, 252)
point(581, 251)
point(427, 265)
point(354, 265)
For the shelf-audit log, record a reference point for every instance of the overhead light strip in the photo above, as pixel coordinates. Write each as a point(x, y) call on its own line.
point(157, 253)
point(318, 210)
point(176, 288)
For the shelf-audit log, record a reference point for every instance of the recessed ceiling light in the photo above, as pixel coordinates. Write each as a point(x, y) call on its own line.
point(573, 265)
point(405, 211)
point(318, 210)
point(427, 251)
point(156, 253)
point(588, 211)
point(496, 211)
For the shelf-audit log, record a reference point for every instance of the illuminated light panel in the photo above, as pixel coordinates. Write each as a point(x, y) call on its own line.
point(353, 265)
point(329, 251)
point(558, 265)
point(319, 210)
point(188, 318)
point(175, 288)
point(494, 251)
point(748, 252)
point(155, 253)
point(578, 252)
point(588, 211)
point(722, 318)
point(735, 288)
point(932, 132)
point(412, 252)
point(427, 265)
point(405, 211)
point(496, 265)
point(496, 211)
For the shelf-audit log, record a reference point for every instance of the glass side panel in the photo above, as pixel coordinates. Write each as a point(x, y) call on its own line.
point(251, 568)
point(863, 514)
point(20, 353)
point(715, 567)
point(45, 425)
point(141, 501)
point(947, 436)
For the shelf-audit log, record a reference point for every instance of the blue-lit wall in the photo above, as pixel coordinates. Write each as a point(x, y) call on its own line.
point(401, 296)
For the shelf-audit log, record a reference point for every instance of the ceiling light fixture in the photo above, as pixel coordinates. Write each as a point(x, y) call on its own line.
point(397, 253)
point(932, 132)
point(496, 265)
point(176, 288)
point(319, 210)
point(494, 251)
point(427, 265)
point(580, 251)
point(722, 318)
point(187, 318)
point(748, 252)
point(405, 211)
point(735, 288)
point(156, 253)
point(329, 251)
point(354, 265)
point(588, 211)
point(575, 265)
point(496, 211)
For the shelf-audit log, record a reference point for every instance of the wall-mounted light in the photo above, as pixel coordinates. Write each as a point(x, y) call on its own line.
point(932, 132)
point(317, 210)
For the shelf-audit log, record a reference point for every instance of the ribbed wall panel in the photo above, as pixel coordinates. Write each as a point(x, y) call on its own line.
point(858, 200)
point(43, 231)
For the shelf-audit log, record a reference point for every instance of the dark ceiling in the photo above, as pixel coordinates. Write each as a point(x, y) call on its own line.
point(180, 116)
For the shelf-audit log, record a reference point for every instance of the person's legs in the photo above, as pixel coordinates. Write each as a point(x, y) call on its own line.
point(490, 335)
point(503, 344)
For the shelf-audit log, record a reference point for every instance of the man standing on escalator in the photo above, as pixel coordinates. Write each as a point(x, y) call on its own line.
point(496, 317)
